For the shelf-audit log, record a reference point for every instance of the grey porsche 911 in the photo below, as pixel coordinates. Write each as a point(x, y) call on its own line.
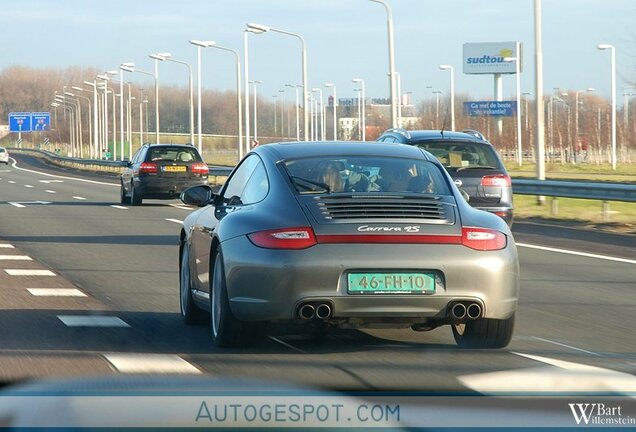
point(349, 235)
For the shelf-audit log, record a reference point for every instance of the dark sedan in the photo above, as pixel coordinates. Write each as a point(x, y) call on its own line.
point(345, 235)
point(162, 171)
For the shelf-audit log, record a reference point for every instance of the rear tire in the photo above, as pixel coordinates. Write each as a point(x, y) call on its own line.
point(123, 198)
point(190, 312)
point(135, 197)
point(484, 333)
point(225, 329)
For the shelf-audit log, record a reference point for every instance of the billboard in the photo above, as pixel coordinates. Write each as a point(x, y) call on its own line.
point(488, 57)
point(490, 108)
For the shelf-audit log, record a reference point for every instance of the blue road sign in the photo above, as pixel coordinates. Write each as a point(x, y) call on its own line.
point(20, 122)
point(40, 121)
point(490, 108)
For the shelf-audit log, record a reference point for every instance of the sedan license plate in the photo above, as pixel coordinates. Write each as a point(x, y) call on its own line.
point(391, 283)
point(174, 168)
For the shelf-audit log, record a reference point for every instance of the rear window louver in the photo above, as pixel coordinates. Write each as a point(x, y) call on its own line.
point(383, 207)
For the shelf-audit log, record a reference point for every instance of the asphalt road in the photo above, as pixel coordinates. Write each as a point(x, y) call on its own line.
point(574, 329)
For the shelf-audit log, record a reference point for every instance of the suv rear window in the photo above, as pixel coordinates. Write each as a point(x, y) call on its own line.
point(2, 150)
point(173, 154)
point(454, 155)
point(329, 174)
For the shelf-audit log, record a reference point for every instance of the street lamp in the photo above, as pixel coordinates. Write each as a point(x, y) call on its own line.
point(518, 81)
point(200, 44)
point(437, 93)
point(255, 83)
point(576, 114)
point(613, 72)
point(363, 105)
point(168, 57)
point(95, 115)
point(157, 58)
point(282, 112)
point(321, 110)
point(79, 121)
point(392, 76)
point(132, 68)
point(333, 107)
point(296, 87)
point(359, 92)
point(452, 92)
point(262, 29)
point(90, 120)
point(275, 112)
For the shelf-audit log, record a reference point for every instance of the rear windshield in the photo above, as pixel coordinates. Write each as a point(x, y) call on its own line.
point(2, 150)
point(460, 155)
point(173, 154)
point(328, 174)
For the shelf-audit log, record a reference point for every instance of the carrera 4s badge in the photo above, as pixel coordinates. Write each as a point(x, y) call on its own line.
point(406, 229)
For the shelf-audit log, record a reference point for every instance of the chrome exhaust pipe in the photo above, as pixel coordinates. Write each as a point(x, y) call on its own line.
point(458, 311)
point(323, 311)
point(306, 311)
point(473, 311)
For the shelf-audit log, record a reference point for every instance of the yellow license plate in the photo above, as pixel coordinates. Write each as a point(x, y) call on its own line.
point(176, 168)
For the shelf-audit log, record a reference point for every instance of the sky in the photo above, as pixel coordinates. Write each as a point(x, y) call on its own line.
point(345, 39)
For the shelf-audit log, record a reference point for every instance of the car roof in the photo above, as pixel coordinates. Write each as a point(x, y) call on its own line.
point(438, 135)
point(294, 150)
point(171, 145)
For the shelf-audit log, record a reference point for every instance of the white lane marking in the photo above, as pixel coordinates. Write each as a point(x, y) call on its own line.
point(567, 346)
point(174, 220)
point(15, 258)
point(571, 252)
point(560, 376)
point(17, 205)
point(11, 181)
point(29, 272)
point(56, 292)
point(92, 321)
point(5, 170)
point(181, 207)
point(78, 198)
point(151, 363)
point(14, 165)
point(119, 207)
point(291, 347)
point(6, 246)
point(28, 186)
point(50, 191)
point(51, 181)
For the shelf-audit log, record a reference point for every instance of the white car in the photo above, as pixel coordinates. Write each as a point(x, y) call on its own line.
point(4, 156)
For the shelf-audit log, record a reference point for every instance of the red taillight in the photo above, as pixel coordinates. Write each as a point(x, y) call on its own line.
point(285, 238)
point(483, 239)
point(498, 180)
point(148, 168)
point(199, 168)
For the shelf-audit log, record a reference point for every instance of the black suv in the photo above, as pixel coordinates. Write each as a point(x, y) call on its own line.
point(470, 160)
point(162, 171)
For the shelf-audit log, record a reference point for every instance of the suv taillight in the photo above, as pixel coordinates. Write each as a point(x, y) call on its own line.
point(285, 238)
point(199, 168)
point(483, 239)
point(497, 180)
point(148, 168)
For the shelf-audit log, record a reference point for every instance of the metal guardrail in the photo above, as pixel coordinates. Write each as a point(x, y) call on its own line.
point(574, 189)
point(215, 170)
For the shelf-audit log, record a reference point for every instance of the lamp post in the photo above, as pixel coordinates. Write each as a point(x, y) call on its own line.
point(437, 93)
point(392, 76)
point(157, 58)
point(538, 91)
point(359, 91)
point(95, 133)
point(168, 57)
point(452, 92)
point(320, 110)
point(518, 82)
point(124, 67)
point(200, 44)
point(275, 113)
point(282, 111)
point(128, 68)
point(613, 72)
point(80, 139)
point(254, 84)
point(334, 107)
point(104, 124)
point(296, 87)
point(90, 121)
point(239, 111)
point(263, 28)
point(576, 116)
point(363, 106)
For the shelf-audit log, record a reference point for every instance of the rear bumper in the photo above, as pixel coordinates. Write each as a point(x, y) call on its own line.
point(265, 284)
point(157, 187)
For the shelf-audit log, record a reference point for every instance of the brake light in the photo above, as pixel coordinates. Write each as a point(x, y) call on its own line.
point(483, 239)
point(199, 168)
point(285, 238)
point(497, 180)
point(148, 168)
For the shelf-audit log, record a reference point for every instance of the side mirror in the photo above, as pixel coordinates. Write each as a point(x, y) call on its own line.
point(465, 195)
point(199, 196)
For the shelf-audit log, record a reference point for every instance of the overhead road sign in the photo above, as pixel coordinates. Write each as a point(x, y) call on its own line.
point(20, 122)
point(490, 108)
point(40, 121)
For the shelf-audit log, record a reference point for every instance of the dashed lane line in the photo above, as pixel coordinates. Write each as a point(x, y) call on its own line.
point(79, 198)
point(92, 321)
point(174, 220)
point(29, 272)
point(56, 292)
point(14, 165)
point(15, 258)
point(567, 346)
point(28, 186)
point(11, 181)
point(50, 191)
point(6, 246)
point(150, 363)
point(119, 207)
point(18, 205)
